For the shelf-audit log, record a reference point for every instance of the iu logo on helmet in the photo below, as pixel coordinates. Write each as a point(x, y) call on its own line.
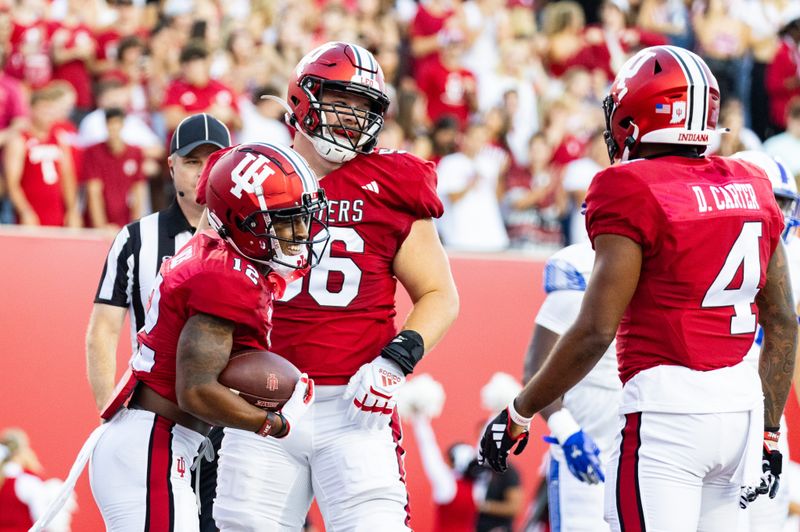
point(250, 173)
point(272, 382)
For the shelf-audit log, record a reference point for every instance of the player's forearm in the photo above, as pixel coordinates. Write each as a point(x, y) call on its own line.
point(779, 321)
point(572, 358)
point(539, 348)
point(217, 405)
point(433, 314)
point(776, 365)
point(102, 335)
point(101, 365)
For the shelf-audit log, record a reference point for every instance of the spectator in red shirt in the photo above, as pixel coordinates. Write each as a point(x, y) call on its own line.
point(29, 56)
point(115, 184)
point(428, 31)
point(613, 41)
point(128, 23)
point(563, 25)
point(24, 495)
point(39, 169)
point(783, 80)
point(535, 201)
point(195, 92)
point(450, 88)
point(133, 70)
point(72, 47)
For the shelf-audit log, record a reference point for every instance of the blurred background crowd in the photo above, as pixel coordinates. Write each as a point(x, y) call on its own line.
point(503, 95)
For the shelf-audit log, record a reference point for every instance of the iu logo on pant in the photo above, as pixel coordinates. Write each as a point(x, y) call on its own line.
point(180, 465)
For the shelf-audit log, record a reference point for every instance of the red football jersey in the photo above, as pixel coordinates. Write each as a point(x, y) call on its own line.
point(205, 276)
point(707, 228)
point(342, 313)
point(41, 179)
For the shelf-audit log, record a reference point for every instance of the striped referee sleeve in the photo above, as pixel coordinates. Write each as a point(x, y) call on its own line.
point(116, 282)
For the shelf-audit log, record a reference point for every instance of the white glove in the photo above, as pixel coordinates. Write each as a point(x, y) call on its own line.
point(298, 404)
point(372, 391)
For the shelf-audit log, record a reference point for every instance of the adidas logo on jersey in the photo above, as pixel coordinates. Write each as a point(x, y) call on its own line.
point(372, 186)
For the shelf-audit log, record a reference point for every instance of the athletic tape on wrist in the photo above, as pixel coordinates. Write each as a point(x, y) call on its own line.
point(518, 418)
point(406, 349)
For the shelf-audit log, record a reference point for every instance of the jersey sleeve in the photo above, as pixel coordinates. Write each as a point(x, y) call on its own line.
point(116, 282)
point(423, 201)
point(619, 202)
point(228, 295)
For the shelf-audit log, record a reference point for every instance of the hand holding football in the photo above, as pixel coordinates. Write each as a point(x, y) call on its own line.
point(262, 378)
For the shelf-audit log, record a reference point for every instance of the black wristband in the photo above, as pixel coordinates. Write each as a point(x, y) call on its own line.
point(406, 349)
point(284, 428)
point(772, 429)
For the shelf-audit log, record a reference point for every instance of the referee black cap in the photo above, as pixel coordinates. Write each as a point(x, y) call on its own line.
point(196, 130)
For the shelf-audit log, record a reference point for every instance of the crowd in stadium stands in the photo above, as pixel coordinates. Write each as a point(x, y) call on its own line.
point(503, 95)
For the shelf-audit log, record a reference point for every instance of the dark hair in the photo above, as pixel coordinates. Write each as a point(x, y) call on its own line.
point(107, 84)
point(198, 30)
point(126, 43)
point(193, 51)
point(264, 90)
point(114, 112)
point(445, 122)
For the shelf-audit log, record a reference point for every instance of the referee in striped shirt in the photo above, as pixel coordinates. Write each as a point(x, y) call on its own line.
point(141, 246)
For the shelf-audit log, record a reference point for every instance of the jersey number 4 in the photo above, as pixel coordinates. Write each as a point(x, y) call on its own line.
point(744, 256)
point(349, 271)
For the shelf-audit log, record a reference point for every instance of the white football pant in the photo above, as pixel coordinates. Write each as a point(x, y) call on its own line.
point(676, 472)
point(140, 474)
point(357, 475)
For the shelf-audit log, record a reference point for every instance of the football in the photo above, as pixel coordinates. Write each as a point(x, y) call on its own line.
point(262, 378)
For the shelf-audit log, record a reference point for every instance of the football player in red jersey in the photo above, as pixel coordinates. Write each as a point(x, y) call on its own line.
point(337, 324)
point(212, 298)
point(687, 263)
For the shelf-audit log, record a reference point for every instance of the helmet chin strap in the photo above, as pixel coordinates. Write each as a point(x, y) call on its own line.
point(630, 141)
point(324, 148)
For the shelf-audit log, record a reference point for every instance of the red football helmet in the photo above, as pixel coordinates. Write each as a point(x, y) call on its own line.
point(260, 196)
point(340, 67)
point(661, 95)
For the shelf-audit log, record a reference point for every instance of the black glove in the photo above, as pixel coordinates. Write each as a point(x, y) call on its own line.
point(497, 442)
point(771, 467)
